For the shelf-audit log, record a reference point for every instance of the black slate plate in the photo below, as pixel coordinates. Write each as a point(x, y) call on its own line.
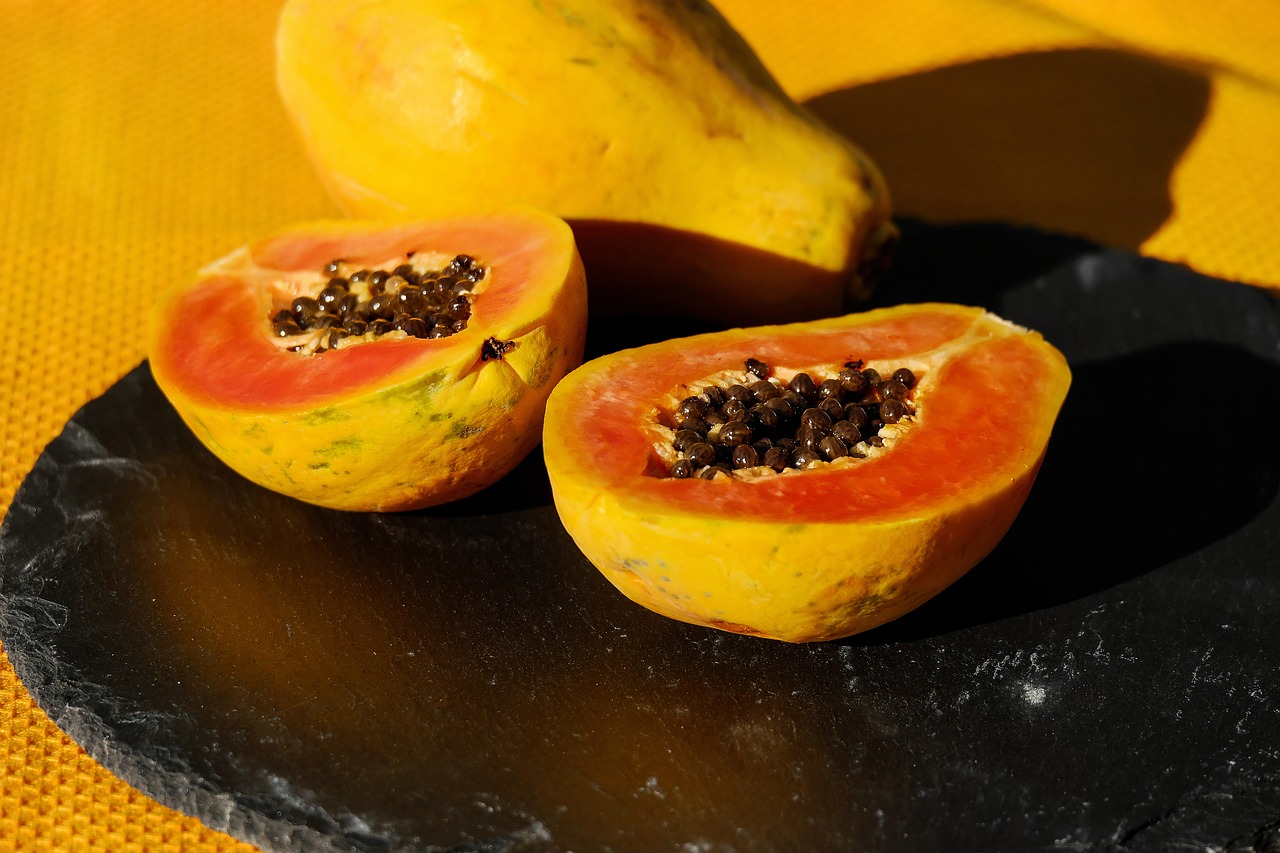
point(461, 679)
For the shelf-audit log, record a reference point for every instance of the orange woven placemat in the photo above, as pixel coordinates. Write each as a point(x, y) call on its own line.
point(142, 139)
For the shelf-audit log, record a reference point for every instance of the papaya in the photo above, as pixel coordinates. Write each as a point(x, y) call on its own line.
point(956, 405)
point(694, 184)
point(376, 366)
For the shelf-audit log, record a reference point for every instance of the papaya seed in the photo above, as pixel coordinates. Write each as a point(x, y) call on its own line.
point(802, 384)
point(832, 448)
point(807, 438)
point(735, 433)
point(694, 407)
point(815, 419)
point(763, 417)
point(695, 425)
point(682, 469)
point(778, 458)
point(831, 406)
point(892, 411)
point(745, 456)
point(892, 389)
point(700, 453)
point(847, 432)
point(803, 458)
point(829, 388)
point(492, 348)
point(714, 395)
point(685, 439)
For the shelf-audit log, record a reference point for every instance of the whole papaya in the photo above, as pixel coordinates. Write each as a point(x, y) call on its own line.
point(693, 183)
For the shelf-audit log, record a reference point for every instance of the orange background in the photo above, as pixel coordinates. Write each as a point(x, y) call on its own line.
point(140, 139)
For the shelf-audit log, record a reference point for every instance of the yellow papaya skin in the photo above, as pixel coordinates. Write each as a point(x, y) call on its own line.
point(823, 553)
point(694, 184)
point(392, 424)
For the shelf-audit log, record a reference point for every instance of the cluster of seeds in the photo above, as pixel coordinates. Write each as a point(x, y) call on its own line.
point(768, 424)
point(368, 303)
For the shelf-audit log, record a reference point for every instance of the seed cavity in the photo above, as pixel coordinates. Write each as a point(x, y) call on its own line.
point(351, 303)
point(765, 426)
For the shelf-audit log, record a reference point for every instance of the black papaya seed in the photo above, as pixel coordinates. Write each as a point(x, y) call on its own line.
point(892, 410)
point(735, 433)
point(803, 384)
point(745, 456)
point(832, 448)
point(700, 453)
point(685, 438)
point(777, 458)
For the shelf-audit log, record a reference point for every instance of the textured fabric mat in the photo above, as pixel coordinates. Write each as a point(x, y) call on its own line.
point(143, 139)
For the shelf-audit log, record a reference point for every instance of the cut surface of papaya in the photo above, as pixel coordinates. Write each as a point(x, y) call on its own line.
point(845, 541)
point(376, 366)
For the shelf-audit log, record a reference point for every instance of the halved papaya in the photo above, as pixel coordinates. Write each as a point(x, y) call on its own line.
point(375, 366)
point(849, 539)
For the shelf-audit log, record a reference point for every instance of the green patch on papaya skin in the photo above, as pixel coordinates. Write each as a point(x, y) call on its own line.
point(543, 368)
point(196, 423)
point(517, 393)
point(570, 18)
point(461, 429)
point(254, 430)
point(436, 417)
point(340, 446)
point(327, 415)
point(318, 466)
point(417, 393)
point(284, 472)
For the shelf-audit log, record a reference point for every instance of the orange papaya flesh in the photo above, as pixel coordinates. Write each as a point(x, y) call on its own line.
point(392, 423)
point(832, 550)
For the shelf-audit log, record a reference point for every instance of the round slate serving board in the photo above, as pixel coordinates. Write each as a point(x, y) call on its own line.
point(461, 679)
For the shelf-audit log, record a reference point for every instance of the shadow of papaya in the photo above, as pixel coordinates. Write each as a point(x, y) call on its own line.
point(971, 263)
point(1077, 141)
point(1154, 457)
point(635, 268)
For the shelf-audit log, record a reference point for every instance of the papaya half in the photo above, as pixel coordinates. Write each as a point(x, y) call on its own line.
point(956, 408)
point(373, 366)
point(695, 185)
